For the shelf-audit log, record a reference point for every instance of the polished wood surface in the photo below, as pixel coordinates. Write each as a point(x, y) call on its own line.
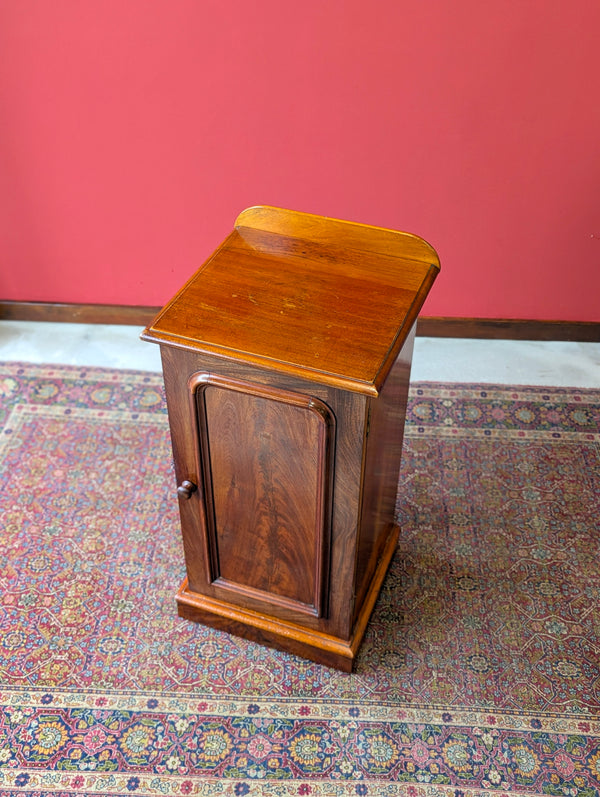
point(381, 462)
point(266, 457)
point(339, 234)
point(286, 361)
point(322, 299)
point(340, 487)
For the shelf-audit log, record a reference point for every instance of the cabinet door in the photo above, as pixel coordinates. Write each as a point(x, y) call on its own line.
point(265, 465)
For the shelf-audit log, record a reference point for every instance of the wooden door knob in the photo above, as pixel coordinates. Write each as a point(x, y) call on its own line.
point(186, 488)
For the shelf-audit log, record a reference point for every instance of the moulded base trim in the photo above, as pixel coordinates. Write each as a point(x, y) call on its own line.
point(284, 635)
point(266, 630)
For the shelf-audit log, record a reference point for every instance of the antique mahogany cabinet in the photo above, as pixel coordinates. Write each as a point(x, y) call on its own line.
point(286, 363)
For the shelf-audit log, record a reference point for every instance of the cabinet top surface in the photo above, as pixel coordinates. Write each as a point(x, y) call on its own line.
point(329, 300)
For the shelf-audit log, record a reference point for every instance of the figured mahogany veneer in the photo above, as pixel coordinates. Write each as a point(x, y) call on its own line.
point(286, 361)
point(265, 460)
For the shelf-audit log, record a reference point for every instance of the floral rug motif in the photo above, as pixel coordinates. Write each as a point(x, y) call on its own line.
point(480, 670)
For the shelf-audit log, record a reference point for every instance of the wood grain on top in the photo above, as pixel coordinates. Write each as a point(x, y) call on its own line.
point(329, 300)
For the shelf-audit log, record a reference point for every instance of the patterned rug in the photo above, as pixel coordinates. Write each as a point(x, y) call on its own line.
point(480, 670)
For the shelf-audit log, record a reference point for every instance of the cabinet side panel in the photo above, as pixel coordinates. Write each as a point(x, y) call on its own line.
point(382, 468)
point(266, 486)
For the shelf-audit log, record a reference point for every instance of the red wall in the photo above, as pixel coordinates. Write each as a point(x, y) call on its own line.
point(132, 132)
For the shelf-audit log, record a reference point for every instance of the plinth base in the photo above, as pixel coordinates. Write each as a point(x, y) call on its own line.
point(283, 635)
